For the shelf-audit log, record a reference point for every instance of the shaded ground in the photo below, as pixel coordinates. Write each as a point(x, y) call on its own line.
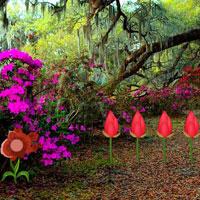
point(88, 175)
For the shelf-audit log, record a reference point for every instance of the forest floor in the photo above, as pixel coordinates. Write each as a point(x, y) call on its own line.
point(88, 176)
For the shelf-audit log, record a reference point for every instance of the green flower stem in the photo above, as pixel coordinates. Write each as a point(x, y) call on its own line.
point(137, 150)
point(110, 150)
point(16, 170)
point(14, 173)
point(191, 149)
point(164, 146)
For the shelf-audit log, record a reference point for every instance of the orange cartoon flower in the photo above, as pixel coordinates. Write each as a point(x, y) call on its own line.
point(18, 144)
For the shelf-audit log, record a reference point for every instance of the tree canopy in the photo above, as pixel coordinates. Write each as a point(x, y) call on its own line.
point(133, 39)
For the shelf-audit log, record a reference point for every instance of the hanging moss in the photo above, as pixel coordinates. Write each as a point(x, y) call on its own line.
point(79, 45)
point(5, 20)
point(43, 7)
point(97, 19)
point(58, 15)
point(117, 53)
point(111, 12)
point(84, 31)
point(33, 8)
point(27, 3)
point(79, 2)
point(140, 31)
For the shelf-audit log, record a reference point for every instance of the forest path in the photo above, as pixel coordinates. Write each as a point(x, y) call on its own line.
point(88, 175)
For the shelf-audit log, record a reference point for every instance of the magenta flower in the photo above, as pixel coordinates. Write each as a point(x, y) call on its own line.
point(54, 128)
point(71, 127)
point(6, 69)
point(48, 120)
point(15, 54)
point(82, 128)
point(17, 107)
point(73, 138)
point(142, 110)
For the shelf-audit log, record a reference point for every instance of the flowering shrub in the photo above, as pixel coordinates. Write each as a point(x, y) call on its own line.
point(18, 78)
point(191, 76)
point(29, 100)
point(173, 99)
point(176, 99)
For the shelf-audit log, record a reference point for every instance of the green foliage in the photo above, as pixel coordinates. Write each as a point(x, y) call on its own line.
point(56, 40)
point(14, 173)
point(187, 12)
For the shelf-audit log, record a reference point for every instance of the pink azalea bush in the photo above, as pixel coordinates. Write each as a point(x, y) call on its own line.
point(152, 101)
point(29, 100)
point(173, 99)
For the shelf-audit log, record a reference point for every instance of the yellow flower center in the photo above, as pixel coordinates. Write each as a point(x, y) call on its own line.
point(16, 145)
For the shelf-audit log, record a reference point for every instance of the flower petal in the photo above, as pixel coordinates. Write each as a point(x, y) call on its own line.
point(138, 126)
point(111, 125)
point(5, 149)
point(164, 126)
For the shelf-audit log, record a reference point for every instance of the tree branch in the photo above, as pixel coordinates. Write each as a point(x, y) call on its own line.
point(116, 18)
point(172, 68)
point(142, 54)
point(119, 14)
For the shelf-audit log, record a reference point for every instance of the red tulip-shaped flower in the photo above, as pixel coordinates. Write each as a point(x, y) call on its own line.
point(164, 126)
point(138, 126)
point(164, 131)
point(138, 129)
point(191, 128)
point(111, 126)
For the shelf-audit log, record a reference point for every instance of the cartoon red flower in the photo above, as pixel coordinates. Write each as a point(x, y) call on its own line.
point(164, 126)
point(18, 144)
point(111, 126)
point(138, 126)
point(191, 128)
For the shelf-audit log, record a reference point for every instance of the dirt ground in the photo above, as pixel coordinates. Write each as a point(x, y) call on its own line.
point(88, 175)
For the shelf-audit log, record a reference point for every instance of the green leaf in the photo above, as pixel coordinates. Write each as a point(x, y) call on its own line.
point(23, 173)
point(6, 174)
point(17, 166)
point(12, 166)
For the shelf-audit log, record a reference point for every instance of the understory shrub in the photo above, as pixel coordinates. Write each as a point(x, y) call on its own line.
point(29, 100)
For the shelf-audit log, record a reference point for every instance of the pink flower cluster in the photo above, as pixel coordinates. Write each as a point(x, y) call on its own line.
point(155, 100)
point(18, 107)
point(6, 69)
point(18, 79)
point(52, 151)
point(92, 64)
point(77, 127)
point(184, 92)
point(12, 91)
point(24, 57)
point(105, 99)
point(74, 139)
point(15, 103)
